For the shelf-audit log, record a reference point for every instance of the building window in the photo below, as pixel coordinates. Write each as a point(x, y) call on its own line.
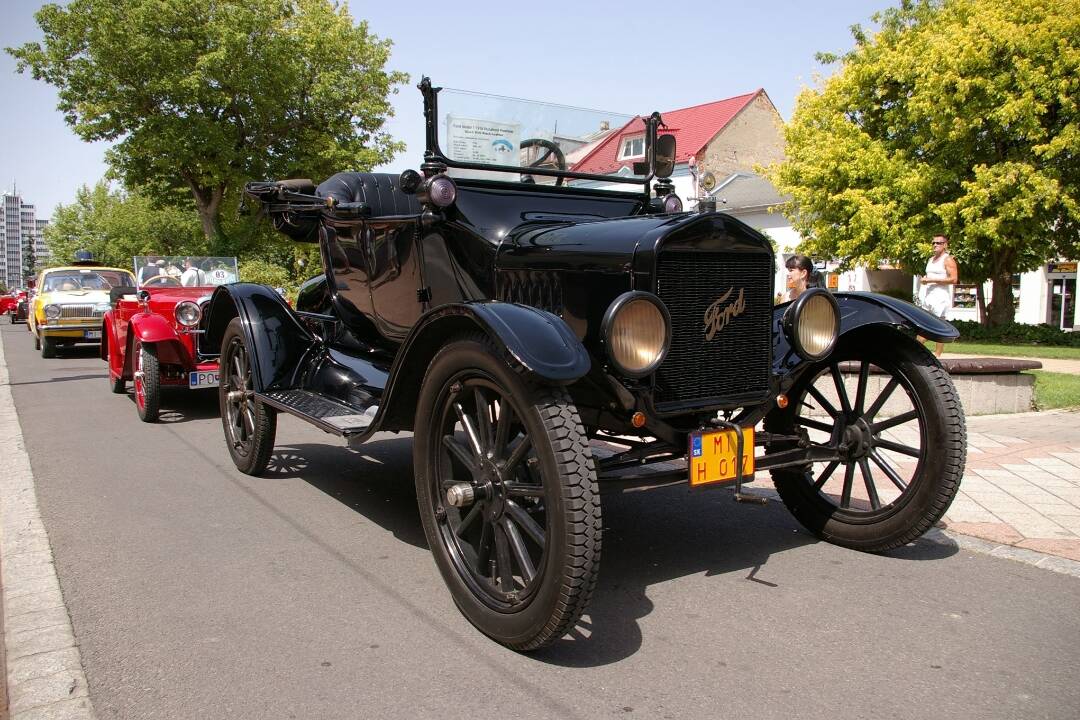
point(632, 147)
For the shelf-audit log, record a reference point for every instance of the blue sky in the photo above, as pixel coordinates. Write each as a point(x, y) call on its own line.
point(630, 57)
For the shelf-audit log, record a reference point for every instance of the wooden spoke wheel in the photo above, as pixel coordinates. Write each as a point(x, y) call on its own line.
point(250, 426)
point(892, 414)
point(508, 496)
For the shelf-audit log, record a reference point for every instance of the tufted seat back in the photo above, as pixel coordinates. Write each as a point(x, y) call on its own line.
point(379, 190)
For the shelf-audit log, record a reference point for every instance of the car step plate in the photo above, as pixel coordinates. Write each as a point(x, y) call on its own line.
point(330, 415)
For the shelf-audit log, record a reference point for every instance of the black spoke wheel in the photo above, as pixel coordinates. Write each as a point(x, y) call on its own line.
point(250, 426)
point(508, 497)
point(892, 414)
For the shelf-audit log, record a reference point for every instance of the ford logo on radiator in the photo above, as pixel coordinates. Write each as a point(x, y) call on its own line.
point(719, 314)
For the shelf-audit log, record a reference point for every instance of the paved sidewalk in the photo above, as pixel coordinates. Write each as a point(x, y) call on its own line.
point(1021, 486)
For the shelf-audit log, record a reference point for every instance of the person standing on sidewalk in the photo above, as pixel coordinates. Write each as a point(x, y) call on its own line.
point(936, 287)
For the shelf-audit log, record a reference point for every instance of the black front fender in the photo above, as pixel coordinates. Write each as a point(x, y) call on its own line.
point(276, 337)
point(541, 344)
point(857, 310)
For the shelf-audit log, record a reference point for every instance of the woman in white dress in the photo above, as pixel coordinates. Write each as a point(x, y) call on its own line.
point(936, 287)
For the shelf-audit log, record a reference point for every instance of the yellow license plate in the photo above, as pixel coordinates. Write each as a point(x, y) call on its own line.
point(712, 456)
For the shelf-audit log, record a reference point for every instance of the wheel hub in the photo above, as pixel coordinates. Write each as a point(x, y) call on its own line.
point(858, 440)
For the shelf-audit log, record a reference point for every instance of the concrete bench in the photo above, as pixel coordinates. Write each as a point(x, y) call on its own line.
point(987, 385)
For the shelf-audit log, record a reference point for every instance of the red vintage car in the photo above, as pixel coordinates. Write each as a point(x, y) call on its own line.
point(149, 335)
point(15, 306)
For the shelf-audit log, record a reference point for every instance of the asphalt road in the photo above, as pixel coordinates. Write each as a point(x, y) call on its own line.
point(196, 591)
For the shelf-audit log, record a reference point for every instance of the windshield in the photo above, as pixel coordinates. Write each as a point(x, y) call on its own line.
point(86, 279)
point(493, 130)
point(184, 271)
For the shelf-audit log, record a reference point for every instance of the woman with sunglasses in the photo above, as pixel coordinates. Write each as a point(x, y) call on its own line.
point(936, 287)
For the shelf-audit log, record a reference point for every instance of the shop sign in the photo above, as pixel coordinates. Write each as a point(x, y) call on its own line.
point(1061, 270)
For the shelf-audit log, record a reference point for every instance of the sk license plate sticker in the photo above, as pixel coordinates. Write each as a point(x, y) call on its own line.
point(203, 379)
point(712, 456)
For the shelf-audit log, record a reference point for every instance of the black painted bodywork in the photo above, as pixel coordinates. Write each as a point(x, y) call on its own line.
point(533, 267)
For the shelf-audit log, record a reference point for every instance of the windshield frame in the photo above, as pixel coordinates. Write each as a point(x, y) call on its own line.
point(433, 154)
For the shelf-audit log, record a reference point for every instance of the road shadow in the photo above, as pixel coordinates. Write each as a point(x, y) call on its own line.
point(651, 536)
point(374, 480)
point(180, 405)
point(65, 378)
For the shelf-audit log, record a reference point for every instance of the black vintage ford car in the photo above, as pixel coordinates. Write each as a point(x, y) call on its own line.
point(542, 330)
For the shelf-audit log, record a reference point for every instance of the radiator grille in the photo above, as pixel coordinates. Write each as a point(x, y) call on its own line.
point(735, 362)
point(80, 310)
point(531, 287)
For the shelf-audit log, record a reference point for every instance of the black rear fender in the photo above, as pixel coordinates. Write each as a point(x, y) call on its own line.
point(277, 338)
point(859, 310)
point(535, 342)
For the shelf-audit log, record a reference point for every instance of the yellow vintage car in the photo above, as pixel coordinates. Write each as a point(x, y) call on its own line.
point(69, 303)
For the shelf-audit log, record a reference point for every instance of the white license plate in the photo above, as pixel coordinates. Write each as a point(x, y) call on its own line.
point(203, 379)
point(93, 335)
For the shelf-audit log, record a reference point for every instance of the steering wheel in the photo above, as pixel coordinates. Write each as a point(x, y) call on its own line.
point(552, 149)
point(163, 280)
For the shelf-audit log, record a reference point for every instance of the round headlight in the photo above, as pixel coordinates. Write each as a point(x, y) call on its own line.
point(672, 203)
point(812, 323)
point(52, 311)
point(188, 313)
point(637, 331)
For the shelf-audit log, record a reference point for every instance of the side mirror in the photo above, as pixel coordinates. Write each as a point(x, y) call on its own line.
point(665, 156)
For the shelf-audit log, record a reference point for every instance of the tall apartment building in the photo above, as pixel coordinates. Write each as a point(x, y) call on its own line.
point(20, 224)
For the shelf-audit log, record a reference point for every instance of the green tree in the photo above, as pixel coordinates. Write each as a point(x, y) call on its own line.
point(957, 116)
point(115, 227)
point(205, 94)
point(29, 258)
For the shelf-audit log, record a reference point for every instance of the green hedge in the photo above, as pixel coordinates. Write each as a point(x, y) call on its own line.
point(1016, 334)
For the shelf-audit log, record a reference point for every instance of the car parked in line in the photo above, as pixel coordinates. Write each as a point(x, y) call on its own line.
point(69, 303)
point(149, 334)
point(508, 309)
point(8, 303)
point(22, 307)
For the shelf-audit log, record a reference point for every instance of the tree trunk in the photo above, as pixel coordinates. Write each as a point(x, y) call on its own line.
point(208, 204)
point(1002, 309)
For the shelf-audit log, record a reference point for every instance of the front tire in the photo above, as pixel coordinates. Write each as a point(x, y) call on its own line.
point(48, 347)
point(521, 557)
point(147, 382)
point(918, 451)
point(250, 426)
point(37, 341)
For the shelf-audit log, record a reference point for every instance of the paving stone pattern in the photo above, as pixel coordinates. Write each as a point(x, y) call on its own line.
point(1022, 482)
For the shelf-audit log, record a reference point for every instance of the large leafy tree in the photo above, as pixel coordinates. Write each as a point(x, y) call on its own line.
point(116, 226)
point(205, 94)
point(957, 116)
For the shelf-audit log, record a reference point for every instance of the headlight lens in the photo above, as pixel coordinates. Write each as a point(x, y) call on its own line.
point(637, 331)
point(813, 324)
point(188, 313)
point(52, 311)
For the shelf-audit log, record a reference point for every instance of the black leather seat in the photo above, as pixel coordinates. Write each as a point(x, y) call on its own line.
point(379, 190)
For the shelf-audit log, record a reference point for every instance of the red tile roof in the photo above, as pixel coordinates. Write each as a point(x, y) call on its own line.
point(693, 128)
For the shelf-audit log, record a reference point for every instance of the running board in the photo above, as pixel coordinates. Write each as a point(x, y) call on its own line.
point(329, 415)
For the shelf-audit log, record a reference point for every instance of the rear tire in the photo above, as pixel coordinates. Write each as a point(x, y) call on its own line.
point(147, 382)
point(250, 426)
point(521, 558)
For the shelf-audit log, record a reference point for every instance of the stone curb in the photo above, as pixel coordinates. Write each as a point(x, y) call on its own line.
point(1065, 566)
point(45, 678)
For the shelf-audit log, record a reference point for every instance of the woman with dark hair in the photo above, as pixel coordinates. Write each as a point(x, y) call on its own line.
point(800, 274)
